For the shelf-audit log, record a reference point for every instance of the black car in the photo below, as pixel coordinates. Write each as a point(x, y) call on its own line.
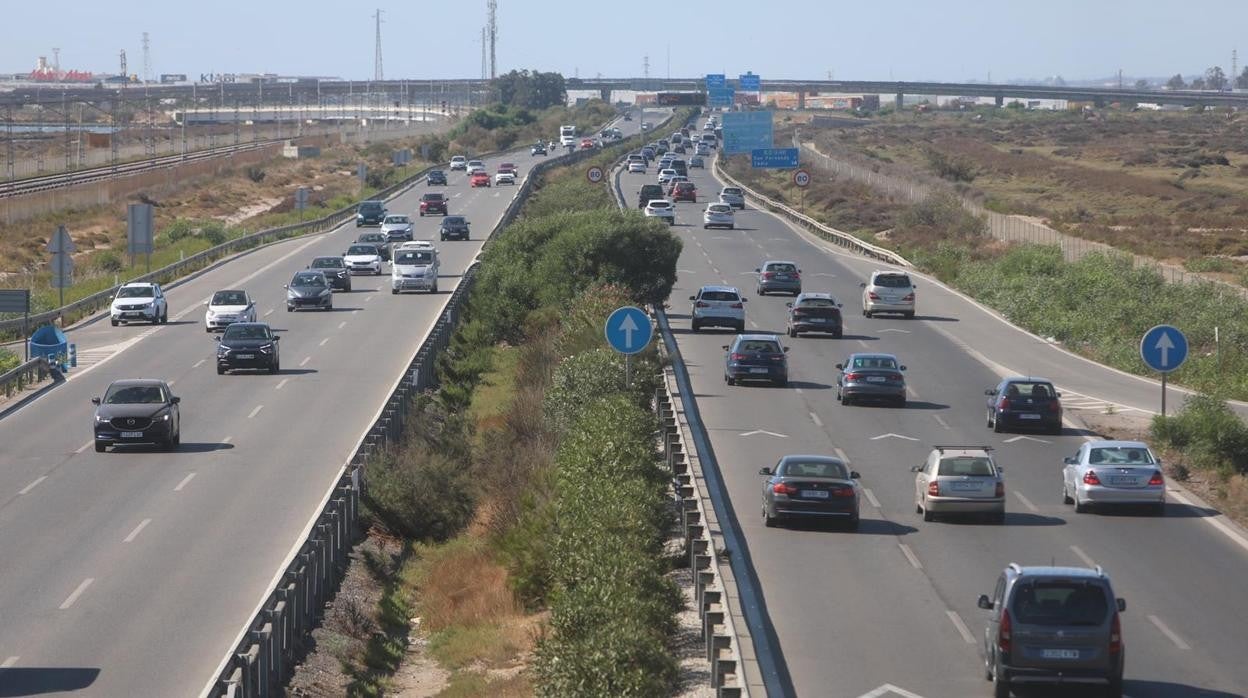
point(248, 345)
point(647, 193)
point(437, 177)
point(309, 289)
point(538, 149)
point(756, 357)
point(1024, 403)
point(370, 213)
point(815, 312)
point(380, 240)
point(454, 227)
point(811, 487)
point(335, 270)
point(137, 411)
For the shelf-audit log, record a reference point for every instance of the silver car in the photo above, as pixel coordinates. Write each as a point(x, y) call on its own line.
point(661, 209)
point(397, 228)
point(959, 480)
point(871, 377)
point(733, 196)
point(717, 216)
point(777, 276)
point(1114, 472)
point(888, 292)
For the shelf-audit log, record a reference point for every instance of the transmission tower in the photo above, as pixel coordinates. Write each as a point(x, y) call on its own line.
point(1234, 67)
point(492, 5)
point(645, 67)
point(485, 62)
point(123, 63)
point(147, 58)
point(56, 62)
point(378, 74)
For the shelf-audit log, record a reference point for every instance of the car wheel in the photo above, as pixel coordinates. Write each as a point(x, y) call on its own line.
point(730, 227)
point(792, 332)
point(422, 214)
point(909, 315)
point(1056, 430)
point(768, 520)
point(177, 439)
point(394, 291)
point(1114, 689)
point(760, 291)
point(866, 314)
point(997, 427)
point(729, 379)
point(1159, 509)
point(704, 227)
point(900, 403)
point(1066, 494)
point(837, 334)
point(100, 447)
point(114, 322)
point(998, 518)
point(275, 368)
point(164, 316)
point(1080, 506)
point(781, 382)
point(289, 309)
point(695, 326)
point(221, 370)
point(1000, 685)
point(928, 515)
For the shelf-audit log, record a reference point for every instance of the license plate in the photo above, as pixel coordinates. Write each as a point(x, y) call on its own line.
point(132, 314)
point(818, 319)
point(131, 434)
point(1060, 654)
point(814, 494)
point(1122, 480)
point(1029, 416)
point(876, 379)
point(964, 486)
point(246, 356)
point(758, 370)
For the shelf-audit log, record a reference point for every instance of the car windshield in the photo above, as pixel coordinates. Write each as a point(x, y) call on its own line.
point(875, 362)
point(135, 292)
point(720, 296)
point(229, 298)
point(816, 303)
point(247, 332)
point(327, 263)
point(396, 220)
point(450, 221)
point(135, 395)
point(815, 469)
point(732, 191)
point(684, 186)
point(965, 465)
point(1060, 602)
point(361, 249)
point(1039, 391)
point(893, 280)
point(369, 207)
point(431, 197)
point(758, 346)
point(309, 280)
point(1121, 455)
point(782, 267)
point(415, 257)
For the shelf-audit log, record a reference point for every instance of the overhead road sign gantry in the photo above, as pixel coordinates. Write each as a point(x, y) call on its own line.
point(749, 82)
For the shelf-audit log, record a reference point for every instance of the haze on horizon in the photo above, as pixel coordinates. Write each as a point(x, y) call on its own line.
point(950, 40)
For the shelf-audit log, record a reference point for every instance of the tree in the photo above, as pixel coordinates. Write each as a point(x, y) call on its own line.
point(1141, 84)
point(1241, 80)
point(1177, 83)
point(1215, 79)
point(1197, 84)
point(529, 89)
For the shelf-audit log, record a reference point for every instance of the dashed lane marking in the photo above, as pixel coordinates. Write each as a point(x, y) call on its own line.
point(964, 631)
point(914, 561)
point(77, 592)
point(182, 484)
point(255, 411)
point(33, 485)
point(1026, 502)
point(1165, 630)
point(1083, 557)
point(137, 530)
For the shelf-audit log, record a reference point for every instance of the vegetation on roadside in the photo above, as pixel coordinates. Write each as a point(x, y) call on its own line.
point(9, 360)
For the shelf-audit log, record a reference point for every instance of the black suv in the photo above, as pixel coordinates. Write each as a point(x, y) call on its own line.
point(370, 213)
point(649, 192)
point(248, 345)
point(435, 177)
point(137, 411)
point(814, 312)
point(335, 270)
point(453, 227)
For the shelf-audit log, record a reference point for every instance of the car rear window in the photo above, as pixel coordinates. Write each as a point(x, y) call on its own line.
point(229, 298)
point(874, 362)
point(659, 204)
point(732, 190)
point(1041, 391)
point(1059, 602)
point(1121, 455)
point(684, 186)
point(720, 296)
point(815, 469)
point(817, 303)
point(893, 280)
point(965, 465)
point(720, 208)
point(759, 346)
point(431, 197)
point(781, 266)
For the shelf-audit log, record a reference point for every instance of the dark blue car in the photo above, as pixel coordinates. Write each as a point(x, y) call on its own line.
point(756, 357)
point(1024, 403)
point(436, 177)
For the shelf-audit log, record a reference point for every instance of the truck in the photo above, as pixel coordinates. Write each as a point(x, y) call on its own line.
point(567, 134)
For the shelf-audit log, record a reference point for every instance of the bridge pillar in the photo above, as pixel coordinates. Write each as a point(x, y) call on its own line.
point(1000, 100)
point(899, 101)
point(801, 99)
point(605, 94)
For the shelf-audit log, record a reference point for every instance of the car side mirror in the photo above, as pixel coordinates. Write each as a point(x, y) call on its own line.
point(745, 300)
point(1070, 461)
point(764, 471)
point(916, 468)
point(901, 368)
point(725, 347)
point(1057, 394)
point(984, 602)
point(1122, 605)
point(175, 399)
point(990, 392)
point(693, 298)
point(863, 284)
point(854, 475)
point(205, 302)
point(277, 338)
point(757, 270)
point(285, 285)
point(840, 366)
point(786, 349)
point(789, 304)
point(840, 305)
point(95, 401)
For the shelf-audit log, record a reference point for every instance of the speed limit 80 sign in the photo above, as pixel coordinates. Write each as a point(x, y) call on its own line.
point(594, 174)
point(801, 178)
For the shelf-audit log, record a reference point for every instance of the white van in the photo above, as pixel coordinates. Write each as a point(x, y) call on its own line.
point(414, 268)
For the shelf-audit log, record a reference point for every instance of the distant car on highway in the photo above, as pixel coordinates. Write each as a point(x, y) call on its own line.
point(628, 117)
point(433, 202)
point(637, 167)
point(475, 166)
point(1111, 473)
point(479, 179)
point(696, 162)
point(587, 143)
point(702, 149)
point(414, 269)
point(227, 307)
point(810, 487)
point(502, 177)
point(733, 196)
point(888, 292)
point(959, 480)
point(139, 302)
point(1049, 625)
point(379, 240)
point(248, 345)
point(648, 193)
point(453, 227)
point(777, 276)
point(459, 162)
point(685, 191)
point(363, 258)
point(309, 289)
point(538, 149)
point(436, 177)
point(866, 376)
point(813, 312)
point(370, 213)
point(717, 306)
point(661, 209)
point(756, 357)
point(718, 216)
point(137, 411)
point(1024, 403)
point(335, 271)
point(396, 228)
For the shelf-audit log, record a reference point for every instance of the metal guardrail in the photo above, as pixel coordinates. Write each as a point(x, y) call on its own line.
point(828, 233)
point(29, 373)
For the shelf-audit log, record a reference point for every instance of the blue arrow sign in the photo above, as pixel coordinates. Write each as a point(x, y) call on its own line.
point(1163, 348)
point(628, 330)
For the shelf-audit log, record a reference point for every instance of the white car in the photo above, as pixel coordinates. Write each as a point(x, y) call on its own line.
point(718, 306)
point(637, 167)
point(363, 258)
point(505, 178)
point(228, 307)
point(459, 162)
point(414, 269)
point(475, 166)
point(396, 228)
point(733, 196)
point(661, 208)
point(665, 175)
point(417, 245)
point(717, 216)
point(888, 292)
point(139, 302)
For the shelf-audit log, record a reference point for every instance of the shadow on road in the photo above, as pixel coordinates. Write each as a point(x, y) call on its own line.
point(34, 681)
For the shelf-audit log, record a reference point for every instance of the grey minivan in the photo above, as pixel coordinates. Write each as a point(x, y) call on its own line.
point(1053, 626)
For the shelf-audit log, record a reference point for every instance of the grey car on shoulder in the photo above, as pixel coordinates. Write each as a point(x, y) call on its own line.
point(1114, 473)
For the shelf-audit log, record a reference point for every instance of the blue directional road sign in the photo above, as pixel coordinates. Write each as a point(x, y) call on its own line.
point(1163, 348)
point(745, 131)
point(714, 80)
point(751, 83)
point(628, 330)
point(720, 96)
point(773, 158)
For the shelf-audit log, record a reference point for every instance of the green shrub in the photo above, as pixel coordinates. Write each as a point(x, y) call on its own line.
point(255, 174)
point(8, 360)
point(107, 261)
point(584, 378)
point(1208, 432)
point(419, 493)
point(213, 232)
point(180, 228)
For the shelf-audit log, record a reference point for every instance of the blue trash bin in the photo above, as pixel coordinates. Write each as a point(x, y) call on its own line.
point(52, 344)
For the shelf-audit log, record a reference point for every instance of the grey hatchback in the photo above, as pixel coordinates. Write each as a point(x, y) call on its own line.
point(810, 487)
point(871, 377)
point(777, 276)
point(1053, 626)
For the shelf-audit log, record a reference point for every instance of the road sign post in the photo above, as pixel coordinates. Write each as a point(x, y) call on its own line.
point(301, 201)
point(774, 158)
point(62, 247)
point(1163, 349)
point(801, 179)
point(139, 233)
point(628, 331)
point(18, 301)
point(594, 174)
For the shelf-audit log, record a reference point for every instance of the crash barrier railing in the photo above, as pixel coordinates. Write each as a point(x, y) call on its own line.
point(29, 373)
point(828, 233)
point(264, 656)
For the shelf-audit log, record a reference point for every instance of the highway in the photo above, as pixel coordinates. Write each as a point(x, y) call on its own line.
point(131, 573)
point(890, 610)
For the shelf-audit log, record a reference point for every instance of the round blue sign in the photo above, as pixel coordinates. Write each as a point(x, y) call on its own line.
point(1163, 348)
point(628, 330)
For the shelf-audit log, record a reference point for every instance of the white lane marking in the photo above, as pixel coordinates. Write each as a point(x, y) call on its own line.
point(269, 312)
point(964, 631)
point(183, 483)
point(940, 420)
point(871, 497)
point(841, 454)
point(255, 411)
point(913, 395)
point(815, 418)
point(369, 298)
point(1087, 559)
point(1178, 641)
point(77, 592)
point(914, 561)
point(282, 383)
point(305, 361)
point(798, 391)
point(891, 435)
point(1026, 502)
point(1214, 521)
point(324, 342)
point(753, 324)
point(199, 363)
point(763, 431)
point(863, 342)
point(716, 270)
point(31, 486)
point(84, 447)
point(10, 662)
point(1025, 438)
point(342, 324)
point(137, 529)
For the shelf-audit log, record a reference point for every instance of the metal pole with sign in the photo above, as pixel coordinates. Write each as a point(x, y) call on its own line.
point(301, 201)
point(801, 179)
point(139, 232)
point(1163, 349)
point(628, 331)
point(62, 247)
point(18, 301)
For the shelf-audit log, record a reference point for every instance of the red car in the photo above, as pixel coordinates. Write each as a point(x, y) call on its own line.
point(587, 143)
point(433, 202)
point(684, 191)
point(480, 179)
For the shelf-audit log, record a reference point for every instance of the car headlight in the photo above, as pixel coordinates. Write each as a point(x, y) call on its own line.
point(99, 419)
point(212, 314)
point(267, 348)
point(325, 292)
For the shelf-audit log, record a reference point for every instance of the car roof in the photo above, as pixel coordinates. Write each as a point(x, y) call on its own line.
point(1060, 571)
point(816, 294)
point(1113, 443)
point(889, 272)
point(372, 201)
point(964, 452)
point(138, 284)
point(257, 323)
point(1025, 379)
point(309, 271)
point(812, 458)
point(872, 355)
point(137, 381)
point(720, 288)
point(756, 336)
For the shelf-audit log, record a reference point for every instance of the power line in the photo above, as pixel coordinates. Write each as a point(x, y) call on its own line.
point(378, 73)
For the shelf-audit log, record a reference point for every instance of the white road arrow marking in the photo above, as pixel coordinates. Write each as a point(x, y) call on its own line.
point(893, 329)
point(894, 436)
point(824, 273)
point(628, 326)
point(761, 431)
point(889, 689)
point(1028, 438)
point(1164, 344)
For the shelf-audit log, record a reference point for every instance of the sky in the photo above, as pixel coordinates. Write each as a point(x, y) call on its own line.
point(949, 40)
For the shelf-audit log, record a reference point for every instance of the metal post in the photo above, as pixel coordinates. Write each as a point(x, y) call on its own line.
point(628, 370)
point(1163, 394)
